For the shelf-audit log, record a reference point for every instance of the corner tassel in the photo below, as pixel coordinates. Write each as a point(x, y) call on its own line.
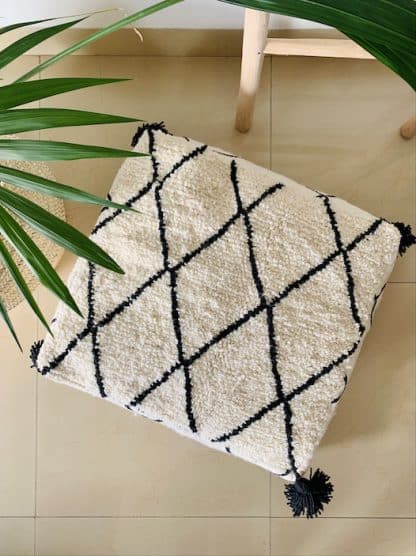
point(34, 353)
point(407, 239)
point(307, 496)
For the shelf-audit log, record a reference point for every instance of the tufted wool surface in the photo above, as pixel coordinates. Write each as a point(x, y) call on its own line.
point(244, 303)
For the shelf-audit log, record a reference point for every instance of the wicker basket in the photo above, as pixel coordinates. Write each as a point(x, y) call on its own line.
point(9, 294)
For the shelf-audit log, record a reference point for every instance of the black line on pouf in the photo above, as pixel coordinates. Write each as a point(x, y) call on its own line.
point(347, 263)
point(137, 196)
point(174, 299)
point(269, 311)
point(175, 311)
point(96, 354)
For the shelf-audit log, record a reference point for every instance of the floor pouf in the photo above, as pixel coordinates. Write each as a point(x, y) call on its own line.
point(243, 306)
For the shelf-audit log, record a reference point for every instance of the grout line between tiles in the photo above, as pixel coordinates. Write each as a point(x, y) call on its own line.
point(36, 451)
point(36, 444)
point(405, 283)
point(161, 57)
point(270, 514)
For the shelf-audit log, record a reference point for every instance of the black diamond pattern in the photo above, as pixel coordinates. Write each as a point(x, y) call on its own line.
point(184, 363)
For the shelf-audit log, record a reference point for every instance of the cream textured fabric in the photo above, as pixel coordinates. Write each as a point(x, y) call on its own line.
point(243, 306)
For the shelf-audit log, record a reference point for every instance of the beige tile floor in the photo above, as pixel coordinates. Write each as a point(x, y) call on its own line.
point(80, 477)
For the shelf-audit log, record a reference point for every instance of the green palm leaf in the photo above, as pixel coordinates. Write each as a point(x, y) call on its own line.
point(14, 26)
point(33, 119)
point(99, 35)
point(32, 149)
point(402, 65)
point(24, 44)
point(57, 230)
point(22, 93)
point(387, 19)
point(32, 182)
point(35, 259)
point(18, 279)
point(4, 315)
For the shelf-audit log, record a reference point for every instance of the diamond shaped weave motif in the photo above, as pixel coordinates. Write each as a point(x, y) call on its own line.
point(243, 306)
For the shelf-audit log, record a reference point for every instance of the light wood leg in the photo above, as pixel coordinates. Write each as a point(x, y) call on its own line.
point(408, 129)
point(255, 36)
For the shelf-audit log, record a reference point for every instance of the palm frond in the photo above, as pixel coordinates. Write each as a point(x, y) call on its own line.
point(34, 119)
point(33, 149)
point(35, 259)
point(13, 269)
point(19, 25)
point(57, 230)
point(19, 47)
point(22, 93)
point(5, 317)
point(33, 182)
point(99, 35)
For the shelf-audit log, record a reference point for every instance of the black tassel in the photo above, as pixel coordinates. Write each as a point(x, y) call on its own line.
point(307, 496)
point(34, 353)
point(407, 239)
point(141, 129)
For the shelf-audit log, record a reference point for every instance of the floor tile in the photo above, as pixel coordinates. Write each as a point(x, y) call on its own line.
point(195, 97)
point(152, 537)
point(16, 536)
point(17, 417)
point(369, 449)
point(97, 459)
point(336, 129)
point(342, 537)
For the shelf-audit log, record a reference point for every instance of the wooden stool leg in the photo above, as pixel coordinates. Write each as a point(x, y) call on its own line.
point(255, 36)
point(408, 129)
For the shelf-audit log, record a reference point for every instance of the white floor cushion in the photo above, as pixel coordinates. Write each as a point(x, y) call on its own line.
point(243, 306)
